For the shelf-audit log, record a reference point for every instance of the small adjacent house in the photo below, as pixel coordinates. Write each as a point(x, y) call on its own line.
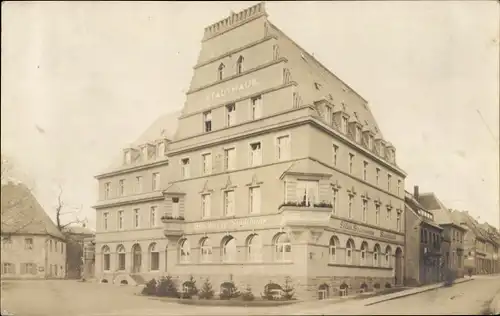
point(31, 244)
point(76, 264)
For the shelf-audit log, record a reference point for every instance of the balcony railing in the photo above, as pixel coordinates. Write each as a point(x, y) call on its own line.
point(305, 214)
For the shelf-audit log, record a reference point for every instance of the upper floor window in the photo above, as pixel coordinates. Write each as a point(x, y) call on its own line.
point(255, 200)
point(349, 249)
point(121, 187)
point(185, 168)
point(207, 121)
point(364, 247)
point(389, 180)
point(120, 219)
point(207, 163)
point(161, 149)
point(255, 154)
point(351, 162)
point(107, 190)
point(6, 243)
point(156, 181)
point(175, 207)
point(28, 243)
point(239, 65)
point(335, 153)
point(138, 184)
point(349, 207)
point(205, 205)
point(377, 176)
point(307, 192)
point(256, 107)
point(377, 214)
point(365, 210)
point(228, 203)
point(152, 216)
point(185, 251)
point(376, 255)
point(335, 199)
point(333, 249)
point(283, 148)
point(254, 248)
point(398, 221)
point(137, 218)
point(229, 159)
point(231, 114)
point(229, 251)
point(105, 216)
point(365, 170)
point(220, 72)
point(399, 186)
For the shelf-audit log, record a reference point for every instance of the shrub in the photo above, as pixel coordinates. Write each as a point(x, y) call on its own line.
point(228, 291)
point(189, 288)
point(364, 287)
point(288, 289)
point(376, 286)
point(104, 281)
point(167, 288)
point(268, 290)
point(149, 288)
point(388, 285)
point(206, 291)
point(247, 294)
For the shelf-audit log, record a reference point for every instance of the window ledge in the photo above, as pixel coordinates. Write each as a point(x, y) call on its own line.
point(237, 263)
point(357, 266)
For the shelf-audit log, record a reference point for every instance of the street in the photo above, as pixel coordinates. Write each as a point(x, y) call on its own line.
point(62, 298)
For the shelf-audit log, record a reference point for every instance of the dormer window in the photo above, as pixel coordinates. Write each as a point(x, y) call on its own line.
point(344, 124)
point(161, 149)
point(207, 121)
point(220, 72)
point(328, 114)
point(128, 157)
point(370, 142)
point(239, 65)
point(145, 153)
point(358, 134)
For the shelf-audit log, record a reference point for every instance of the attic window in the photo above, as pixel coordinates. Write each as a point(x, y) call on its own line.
point(317, 86)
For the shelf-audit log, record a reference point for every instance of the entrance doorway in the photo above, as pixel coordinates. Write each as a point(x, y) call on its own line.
point(398, 273)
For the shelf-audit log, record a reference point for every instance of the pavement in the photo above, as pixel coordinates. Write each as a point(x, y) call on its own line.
point(494, 307)
point(66, 297)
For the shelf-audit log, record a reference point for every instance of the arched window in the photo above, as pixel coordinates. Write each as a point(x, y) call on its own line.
point(349, 248)
point(136, 258)
point(376, 255)
point(120, 250)
point(154, 257)
point(106, 262)
point(333, 249)
point(206, 250)
point(254, 248)
point(185, 251)
point(282, 248)
point(364, 247)
point(323, 291)
point(220, 72)
point(388, 254)
point(239, 65)
point(229, 249)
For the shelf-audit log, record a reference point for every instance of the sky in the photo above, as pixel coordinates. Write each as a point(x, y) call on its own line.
point(81, 80)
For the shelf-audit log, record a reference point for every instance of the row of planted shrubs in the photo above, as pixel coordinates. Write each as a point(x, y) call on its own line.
point(167, 287)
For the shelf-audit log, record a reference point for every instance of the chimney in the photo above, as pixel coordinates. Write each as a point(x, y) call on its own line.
point(415, 192)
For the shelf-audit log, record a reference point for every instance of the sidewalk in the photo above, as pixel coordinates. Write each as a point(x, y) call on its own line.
point(412, 291)
point(495, 304)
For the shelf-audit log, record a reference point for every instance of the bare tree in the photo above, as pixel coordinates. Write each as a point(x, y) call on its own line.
point(60, 212)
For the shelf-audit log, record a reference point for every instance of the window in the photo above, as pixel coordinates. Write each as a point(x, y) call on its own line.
point(230, 114)
point(376, 256)
point(120, 219)
point(364, 246)
point(239, 65)
point(254, 247)
point(207, 163)
point(220, 72)
point(332, 249)
point(205, 250)
point(255, 154)
point(349, 209)
point(388, 257)
point(229, 159)
point(228, 203)
point(334, 201)
point(377, 214)
point(365, 167)
point(161, 149)
point(207, 121)
point(156, 181)
point(365, 207)
point(370, 142)
point(389, 182)
point(344, 125)
point(121, 258)
point(335, 152)
point(136, 218)
point(389, 213)
point(121, 187)
point(8, 268)
point(307, 192)
point(128, 157)
point(351, 161)
point(349, 248)
point(205, 205)
point(229, 249)
point(138, 184)
point(282, 248)
point(283, 148)
point(106, 258)
point(256, 108)
point(50, 245)
point(398, 221)
point(152, 216)
point(328, 115)
point(399, 186)
point(107, 190)
point(377, 176)
point(185, 168)
point(358, 134)
point(185, 251)
point(105, 216)
point(255, 203)
point(145, 155)
point(29, 268)
point(28, 243)
point(6, 243)
point(154, 258)
point(175, 207)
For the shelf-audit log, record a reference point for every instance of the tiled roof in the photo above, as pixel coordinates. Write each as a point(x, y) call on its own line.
point(307, 166)
point(429, 201)
point(22, 214)
point(442, 214)
point(414, 206)
point(78, 230)
point(473, 225)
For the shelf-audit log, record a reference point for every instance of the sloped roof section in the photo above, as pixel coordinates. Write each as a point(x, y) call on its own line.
point(22, 214)
point(78, 230)
point(442, 214)
point(308, 166)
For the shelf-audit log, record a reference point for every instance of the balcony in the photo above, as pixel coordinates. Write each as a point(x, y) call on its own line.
point(173, 226)
point(305, 214)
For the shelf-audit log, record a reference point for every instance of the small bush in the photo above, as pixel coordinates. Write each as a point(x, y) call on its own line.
point(376, 286)
point(364, 287)
point(149, 288)
point(206, 291)
point(104, 281)
point(189, 288)
point(247, 294)
point(388, 285)
point(228, 291)
point(167, 288)
point(288, 289)
point(269, 289)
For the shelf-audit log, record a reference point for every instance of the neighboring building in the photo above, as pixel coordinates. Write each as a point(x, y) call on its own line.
point(88, 258)
point(75, 243)
point(494, 235)
point(31, 245)
point(424, 244)
point(277, 168)
point(453, 232)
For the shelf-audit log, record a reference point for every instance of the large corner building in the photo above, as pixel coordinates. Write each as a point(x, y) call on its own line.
point(276, 168)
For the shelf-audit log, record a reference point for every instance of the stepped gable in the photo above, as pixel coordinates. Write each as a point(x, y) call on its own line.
point(22, 214)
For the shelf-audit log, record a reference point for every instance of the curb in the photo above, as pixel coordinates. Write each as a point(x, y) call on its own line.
point(415, 293)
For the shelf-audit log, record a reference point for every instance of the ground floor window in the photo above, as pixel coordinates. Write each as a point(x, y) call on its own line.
point(28, 268)
point(121, 258)
point(323, 291)
point(8, 268)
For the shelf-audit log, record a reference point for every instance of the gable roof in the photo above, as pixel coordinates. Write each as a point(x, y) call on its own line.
point(472, 224)
point(22, 214)
point(412, 204)
point(442, 215)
